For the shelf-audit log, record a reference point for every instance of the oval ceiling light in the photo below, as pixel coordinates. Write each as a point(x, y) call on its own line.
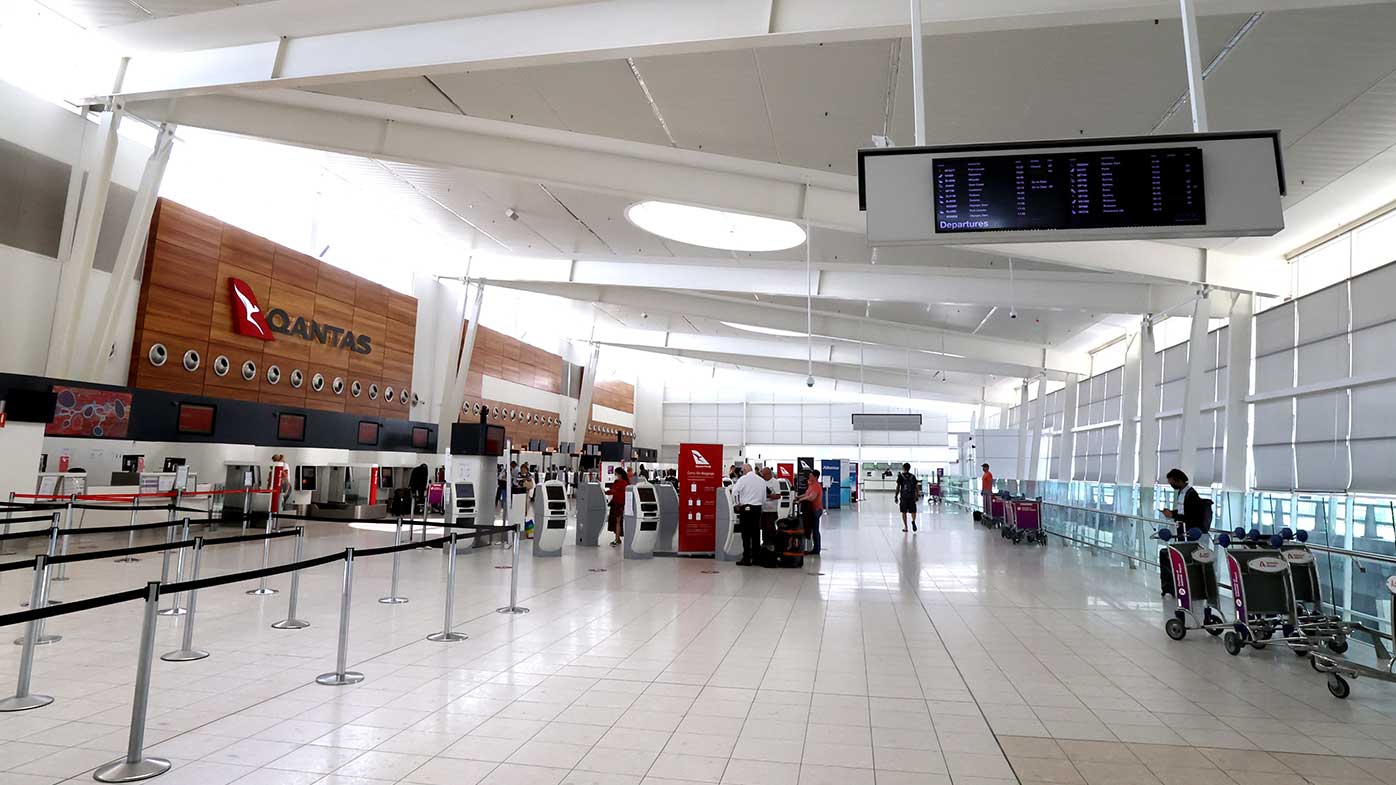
point(715, 228)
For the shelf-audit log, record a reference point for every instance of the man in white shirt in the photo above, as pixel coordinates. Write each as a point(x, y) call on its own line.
point(770, 508)
point(748, 494)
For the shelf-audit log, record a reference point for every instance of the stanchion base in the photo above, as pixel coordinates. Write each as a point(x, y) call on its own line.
point(42, 640)
point(26, 703)
point(511, 609)
point(175, 611)
point(339, 679)
point(447, 637)
point(184, 655)
point(392, 600)
point(262, 592)
point(121, 771)
point(291, 624)
point(126, 560)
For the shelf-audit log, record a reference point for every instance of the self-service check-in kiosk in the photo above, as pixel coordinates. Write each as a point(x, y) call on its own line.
point(728, 543)
point(785, 508)
point(463, 509)
point(641, 521)
point(591, 513)
point(550, 515)
point(668, 517)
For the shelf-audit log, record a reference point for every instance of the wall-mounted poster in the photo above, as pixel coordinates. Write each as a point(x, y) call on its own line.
point(83, 411)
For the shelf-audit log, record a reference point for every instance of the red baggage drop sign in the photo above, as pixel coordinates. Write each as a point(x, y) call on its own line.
point(700, 475)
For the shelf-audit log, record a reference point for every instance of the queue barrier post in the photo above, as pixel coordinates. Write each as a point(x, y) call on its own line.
point(263, 590)
point(61, 574)
point(23, 699)
point(5, 549)
point(42, 638)
point(135, 766)
point(447, 635)
point(175, 609)
point(186, 651)
point(291, 622)
point(165, 554)
point(393, 598)
point(212, 523)
point(341, 674)
point(513, 607)
point(246, 506)
point(131, 533)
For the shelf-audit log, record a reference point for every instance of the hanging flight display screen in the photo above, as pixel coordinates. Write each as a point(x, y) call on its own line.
point(1095, 189)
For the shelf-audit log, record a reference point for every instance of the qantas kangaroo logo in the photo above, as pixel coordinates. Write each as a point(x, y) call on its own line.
point(248, 318)
point(698, 459)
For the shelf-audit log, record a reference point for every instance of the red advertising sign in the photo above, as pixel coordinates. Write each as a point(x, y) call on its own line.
point(373, 485)
point(700, 475)
point(786, 471)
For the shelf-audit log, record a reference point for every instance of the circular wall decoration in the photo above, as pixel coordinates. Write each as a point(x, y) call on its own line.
point(388, 393)
point(249, 371)
point(273, 374)
point(338, 385)
point(221, 364)
point(402, 396)
point(373, 391)
point(297, 378)
point(158, 354)
point(191, 361)
point(356, 389)
point(317, 382)
point(474, 408)
point(418, 401)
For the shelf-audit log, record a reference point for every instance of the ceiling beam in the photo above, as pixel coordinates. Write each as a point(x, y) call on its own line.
point(1049, 291)
point(1029, 359)
point(1161, 261)
point(541, 155)
point(874, 381)
point(295, 44)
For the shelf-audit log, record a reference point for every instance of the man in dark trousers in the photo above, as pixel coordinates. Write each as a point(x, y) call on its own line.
point(1189, 511)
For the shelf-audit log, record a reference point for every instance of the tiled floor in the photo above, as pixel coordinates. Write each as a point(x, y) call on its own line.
point(948, 657)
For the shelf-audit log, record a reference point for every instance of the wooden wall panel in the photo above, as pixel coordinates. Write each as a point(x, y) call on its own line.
point(185, 304)
point(614, 394)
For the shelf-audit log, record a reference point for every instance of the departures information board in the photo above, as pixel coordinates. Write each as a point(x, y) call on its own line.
point(1070, 190)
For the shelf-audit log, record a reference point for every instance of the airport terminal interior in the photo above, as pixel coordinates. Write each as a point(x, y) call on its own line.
point(657, 392)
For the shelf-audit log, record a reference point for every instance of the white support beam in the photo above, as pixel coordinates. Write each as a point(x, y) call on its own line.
point(128, 256)
point(454, 393)
point(1162, 261)
point(1049, 291)
point(539, 155)
point(310, 42)
point(1125, 470)
point(1066, 443)
point(1149, 372)
point(73, 277)
point(880, 382)
point(1198, 360)
point(583, 419)
point(1036, 410)
point(1236, 466)
point(1020, 465)
point(792, 320)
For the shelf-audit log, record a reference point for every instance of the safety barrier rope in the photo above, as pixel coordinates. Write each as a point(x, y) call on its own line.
point(71, 606)
point(248, 575)
point(18, 565)
point(69, 558)
point(84, 530)
point(30, 519)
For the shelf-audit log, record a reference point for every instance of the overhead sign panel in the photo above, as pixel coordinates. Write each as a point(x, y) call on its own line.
point(1156, 187)
point(886, 422)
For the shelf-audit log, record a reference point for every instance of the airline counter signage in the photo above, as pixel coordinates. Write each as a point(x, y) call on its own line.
point(251, 321)
point(700, 475)
point(787, 472)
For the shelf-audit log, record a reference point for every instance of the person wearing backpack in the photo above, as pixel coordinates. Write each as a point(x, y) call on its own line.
point(908, 494)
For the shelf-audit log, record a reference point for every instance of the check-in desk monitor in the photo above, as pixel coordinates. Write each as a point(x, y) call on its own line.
point(728, 542)
point(591, 513)
point(550, 513)
point(641, 521)
point(786, 506)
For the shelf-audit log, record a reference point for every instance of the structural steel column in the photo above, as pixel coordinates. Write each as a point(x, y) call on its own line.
point(1193, 54)
point(1198, 359)
point(128, 257)
point(1148, 408)
point(454, 392)
point(1125, 470)
point(1039, 406)
point(1235, 471)
point(72, 286)
point(1066, 445)
point(579, 430)
point(1020, 457)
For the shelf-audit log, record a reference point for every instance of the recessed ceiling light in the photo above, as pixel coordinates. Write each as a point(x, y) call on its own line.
point(715, 228)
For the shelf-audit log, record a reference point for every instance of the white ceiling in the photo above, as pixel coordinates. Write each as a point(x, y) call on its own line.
point(1325, 77)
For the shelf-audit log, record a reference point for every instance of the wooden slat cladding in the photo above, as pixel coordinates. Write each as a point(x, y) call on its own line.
point(614, 394)
point(185, 303)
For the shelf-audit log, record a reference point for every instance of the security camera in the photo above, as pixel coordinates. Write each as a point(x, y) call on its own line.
point(511, 214)
point(1012, 314)
point(809, 381)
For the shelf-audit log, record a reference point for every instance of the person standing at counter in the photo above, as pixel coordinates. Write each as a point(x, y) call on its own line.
point(811, 507)
point(748, 494)
point(615, 521)
point(279, 479)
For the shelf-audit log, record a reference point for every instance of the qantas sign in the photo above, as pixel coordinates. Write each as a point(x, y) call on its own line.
point(249, 320)
point(698, 459)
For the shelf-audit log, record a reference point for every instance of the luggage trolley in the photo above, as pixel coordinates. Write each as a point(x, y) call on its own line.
point(1338, 667)
point(1023, 519)
point(996, 513)
point(1262, 592)
point(1329, 629)
point(1192, 566)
